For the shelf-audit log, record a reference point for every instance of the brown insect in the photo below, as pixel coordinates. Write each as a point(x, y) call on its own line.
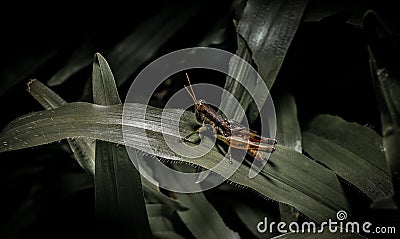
point(229, 132)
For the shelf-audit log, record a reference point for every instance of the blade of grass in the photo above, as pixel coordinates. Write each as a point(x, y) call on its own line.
point(154, 195)
point(384, 60)
point(140, 46)
point(80, 58)
point(201, 218)
point(235, 88)
point(288, 129)
point(352, 10)
point(289, 176)
point(83, 149)
point(353, 151)
point(120, 208)
point(268, 28)
point(149, 37)
point(288, 134)
point(117, 181)
point(104, 88)
point(251, 215)
point(161, 221)
point(264, 34)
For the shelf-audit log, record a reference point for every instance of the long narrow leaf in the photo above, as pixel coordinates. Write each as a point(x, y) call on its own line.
point(384, 58)
point(83, 149)
point(288, 134)
point(120, 209)
point(149, 37)
point(202, 219)
point(268, 28)
point(265, 32)
point(289, 176)
point(117, 181)
point(140, 46)
point(353, 151)
point(288, 130)
point(154, 195)
point(81, 57)
point(251, 215)
point(238, 69)
point(104, 88)
point(160, 217)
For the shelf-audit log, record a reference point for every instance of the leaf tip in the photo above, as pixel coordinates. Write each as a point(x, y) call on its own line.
point(28, 85)
point(98, 56)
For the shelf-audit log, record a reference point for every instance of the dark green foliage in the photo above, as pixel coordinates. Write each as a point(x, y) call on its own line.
point(337, 118)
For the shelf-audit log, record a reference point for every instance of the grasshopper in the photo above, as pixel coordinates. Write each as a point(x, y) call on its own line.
point(229, 132)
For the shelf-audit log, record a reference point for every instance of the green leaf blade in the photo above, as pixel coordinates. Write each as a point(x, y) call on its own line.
point(289, 177)
point(119, 212)
point(384, 51)
point(104, 88)
point(288, 134)
point(117, 181)
point(352, 151)
point(203, 219)
point(83, 149)
point(264, 34)
point(161, 221)
point(268, 28)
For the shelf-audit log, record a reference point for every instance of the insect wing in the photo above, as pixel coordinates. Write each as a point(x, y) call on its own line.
point(241, 131)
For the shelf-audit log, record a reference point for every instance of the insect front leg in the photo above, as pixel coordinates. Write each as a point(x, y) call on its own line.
point(201, 129)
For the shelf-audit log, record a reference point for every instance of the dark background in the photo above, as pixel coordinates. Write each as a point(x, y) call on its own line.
point(45, 193)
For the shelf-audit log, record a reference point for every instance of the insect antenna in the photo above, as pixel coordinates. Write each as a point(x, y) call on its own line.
point(191, 93)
